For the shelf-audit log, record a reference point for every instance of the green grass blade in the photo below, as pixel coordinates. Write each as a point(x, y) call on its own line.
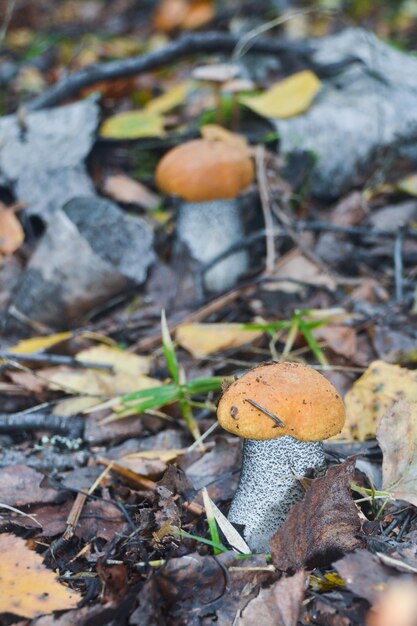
point(212, 524)
point(203, 385)
point(208, 542)
point(169, 352)
point(146, 399)
point(312, 343)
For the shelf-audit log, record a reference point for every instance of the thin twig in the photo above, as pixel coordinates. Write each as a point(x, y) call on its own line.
point(55, 359)
point(266, 208)
point(398, 266)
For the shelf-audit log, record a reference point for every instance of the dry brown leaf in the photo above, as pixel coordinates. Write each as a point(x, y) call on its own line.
point(28, 588)
point(200, 12)
point(11, 232)
point(279, 604)
point(20, 486)
point(373, 394)
point(397, 437)
point(203, 339)
point(322, 526)
point(125, 189)
point(297, 267)
point(364, 574)
point(340, 339)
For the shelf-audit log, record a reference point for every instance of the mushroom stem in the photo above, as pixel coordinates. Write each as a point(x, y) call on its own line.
point(268, 485)
point(208, 229)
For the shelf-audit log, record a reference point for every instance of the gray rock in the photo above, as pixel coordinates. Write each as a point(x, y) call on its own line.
point(46, 191)
point(42, 155)
point(90, 252)
point(369, 106)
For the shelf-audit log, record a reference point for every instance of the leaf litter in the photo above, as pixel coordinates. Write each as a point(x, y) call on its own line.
point(128, 511)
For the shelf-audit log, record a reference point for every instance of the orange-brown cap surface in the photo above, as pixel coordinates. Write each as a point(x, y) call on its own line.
point(304, 400)
point(204, 169)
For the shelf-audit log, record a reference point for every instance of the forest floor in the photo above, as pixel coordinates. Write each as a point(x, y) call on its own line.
point(124, 313)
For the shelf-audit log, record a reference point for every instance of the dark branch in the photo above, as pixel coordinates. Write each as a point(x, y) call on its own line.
point(23, 422)
point(188, 44)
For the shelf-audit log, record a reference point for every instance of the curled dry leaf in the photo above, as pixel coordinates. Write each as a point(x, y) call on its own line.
point(373, 394)
point(322, 526)
point(397, 437)
point(279, 604)
point(124, 189)
point(28, 588)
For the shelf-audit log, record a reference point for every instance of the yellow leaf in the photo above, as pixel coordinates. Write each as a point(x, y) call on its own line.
point(98, 383)
point(28, 588)
point(170, 99)
point(287, 98)
point(373, 394)
point(121, 360)
point(133, 125)
point(27, 346)
point(74, 405)
point(408, 185)
point(204, 339)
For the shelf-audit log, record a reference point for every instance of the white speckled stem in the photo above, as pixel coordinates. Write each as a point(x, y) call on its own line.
point(268, 486)
point(208, 229)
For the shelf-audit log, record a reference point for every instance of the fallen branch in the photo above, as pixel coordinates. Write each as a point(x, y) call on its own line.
point(188, 44)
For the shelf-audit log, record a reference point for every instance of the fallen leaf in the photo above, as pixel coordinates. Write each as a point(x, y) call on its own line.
point(296, 267)
point(28, 588)
point(169, 15)
point(320, 527)
point(170, 99)
point(340, 339)
point(34, 344)
point(121, 360)
point(96, 382)
point(203, 339)
point(11, 232)
point(20, 486)
point(373, 394)
point(129, 191)
point(287, 98)
point(218, 72)
point(408, 185)
point(397, 437)
point(279, 604)
point(363, 574)
point(199, 13)
point(133, 125)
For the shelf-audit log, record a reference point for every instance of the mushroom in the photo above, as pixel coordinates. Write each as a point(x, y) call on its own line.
point(208, 174)
point(283, 411)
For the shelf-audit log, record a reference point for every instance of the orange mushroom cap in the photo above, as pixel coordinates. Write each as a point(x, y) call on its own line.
point(306, 403)
point(205, 169)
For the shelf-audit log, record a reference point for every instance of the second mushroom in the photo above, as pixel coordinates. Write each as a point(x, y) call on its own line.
point(207, 175)
point(283, 411)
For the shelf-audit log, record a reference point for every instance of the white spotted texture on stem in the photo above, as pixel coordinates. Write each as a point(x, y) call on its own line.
point(269, 487)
